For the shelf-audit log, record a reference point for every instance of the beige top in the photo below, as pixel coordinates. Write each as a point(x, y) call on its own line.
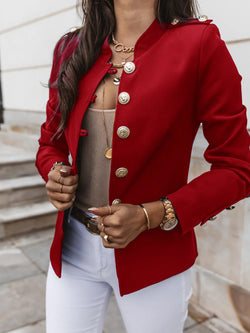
point(94, 173)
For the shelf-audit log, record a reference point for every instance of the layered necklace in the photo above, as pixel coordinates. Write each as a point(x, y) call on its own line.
point(108, 149)
point(119, 48)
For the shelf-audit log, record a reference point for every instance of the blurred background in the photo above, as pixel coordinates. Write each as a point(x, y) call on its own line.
point(29, 30)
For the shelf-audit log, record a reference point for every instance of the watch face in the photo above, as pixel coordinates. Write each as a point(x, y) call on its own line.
point(170, 224)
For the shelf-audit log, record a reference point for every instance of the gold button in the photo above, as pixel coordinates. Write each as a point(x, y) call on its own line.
point(175, 21)
point(129, 67)
point(121, 172)
point(124, 97)
point(123, 132)
point(116, 201)
point(203, 18)
point(73, 29)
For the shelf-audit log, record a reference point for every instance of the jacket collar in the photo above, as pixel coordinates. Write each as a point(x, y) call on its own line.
point(144, 42)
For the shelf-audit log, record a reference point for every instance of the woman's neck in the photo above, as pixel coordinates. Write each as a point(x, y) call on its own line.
point(133, 17)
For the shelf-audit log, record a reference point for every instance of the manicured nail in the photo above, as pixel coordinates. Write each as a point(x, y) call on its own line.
point(92, 208)
point(64, 171)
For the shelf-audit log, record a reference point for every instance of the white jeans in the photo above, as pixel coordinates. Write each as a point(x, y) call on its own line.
point(77, 302)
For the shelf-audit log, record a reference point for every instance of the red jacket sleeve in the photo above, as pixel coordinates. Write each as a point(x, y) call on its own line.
point(51, 150)
point(224, 124)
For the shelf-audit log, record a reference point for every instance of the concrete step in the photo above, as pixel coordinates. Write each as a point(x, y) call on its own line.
point(18, 138)
point(15, 162)
point(22, 190)
point(25, 218)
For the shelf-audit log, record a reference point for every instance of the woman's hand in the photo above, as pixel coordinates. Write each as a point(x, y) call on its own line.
point(123, 225)
point(61, 187)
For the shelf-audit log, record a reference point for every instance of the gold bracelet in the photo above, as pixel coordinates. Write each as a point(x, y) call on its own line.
point(146, 214)
point(170, 219)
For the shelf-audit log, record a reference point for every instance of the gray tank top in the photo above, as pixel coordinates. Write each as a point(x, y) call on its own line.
point(94, 172)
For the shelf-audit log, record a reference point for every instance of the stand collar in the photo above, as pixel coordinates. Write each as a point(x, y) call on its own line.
point(144, 42)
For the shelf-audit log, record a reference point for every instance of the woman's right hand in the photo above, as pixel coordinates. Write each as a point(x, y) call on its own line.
point(61, 187)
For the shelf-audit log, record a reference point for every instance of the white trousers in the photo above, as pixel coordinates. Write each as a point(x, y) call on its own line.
point(77, 302)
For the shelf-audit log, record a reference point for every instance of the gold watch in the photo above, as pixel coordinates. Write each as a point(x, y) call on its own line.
point(170, 219)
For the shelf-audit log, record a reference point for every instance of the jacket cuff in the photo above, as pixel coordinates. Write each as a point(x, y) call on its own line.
point(206, 196)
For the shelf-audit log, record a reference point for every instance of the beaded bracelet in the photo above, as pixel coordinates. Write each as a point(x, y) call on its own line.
point(146, 214)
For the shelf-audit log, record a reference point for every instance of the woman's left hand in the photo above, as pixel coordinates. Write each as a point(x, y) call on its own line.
point(121, 223)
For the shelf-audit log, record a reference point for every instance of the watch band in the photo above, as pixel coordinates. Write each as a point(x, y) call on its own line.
point(170, 219)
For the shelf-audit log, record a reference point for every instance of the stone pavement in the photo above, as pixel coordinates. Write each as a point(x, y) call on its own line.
point(23, 266)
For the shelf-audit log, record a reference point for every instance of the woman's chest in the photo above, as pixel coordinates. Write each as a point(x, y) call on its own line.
point(156, 97)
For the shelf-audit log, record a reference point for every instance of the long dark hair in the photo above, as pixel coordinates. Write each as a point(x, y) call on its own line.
point(99, 22)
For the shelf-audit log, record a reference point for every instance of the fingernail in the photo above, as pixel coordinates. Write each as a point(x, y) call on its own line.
point(64, 171)
point(74, 198)
point(92, 208)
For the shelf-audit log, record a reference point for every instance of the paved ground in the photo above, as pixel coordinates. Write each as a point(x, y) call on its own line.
point(23, 267)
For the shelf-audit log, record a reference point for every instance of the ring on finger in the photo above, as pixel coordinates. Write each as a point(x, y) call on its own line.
point(102, 225)
point(106, 238)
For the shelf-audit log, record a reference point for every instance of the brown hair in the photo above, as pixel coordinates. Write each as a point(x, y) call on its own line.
point(99, 22)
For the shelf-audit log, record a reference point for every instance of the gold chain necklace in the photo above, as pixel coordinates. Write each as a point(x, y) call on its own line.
point(121, 65)
point(119, 47)
point(108, 149)
point(116, 80)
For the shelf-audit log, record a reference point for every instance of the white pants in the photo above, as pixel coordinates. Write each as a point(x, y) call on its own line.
point(77, 302)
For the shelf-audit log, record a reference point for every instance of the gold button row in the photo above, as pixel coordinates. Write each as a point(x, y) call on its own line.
point(123, 131)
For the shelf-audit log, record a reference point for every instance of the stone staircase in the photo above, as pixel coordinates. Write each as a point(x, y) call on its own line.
point(24, 204)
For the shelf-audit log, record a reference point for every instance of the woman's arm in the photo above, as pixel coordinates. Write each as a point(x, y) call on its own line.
point(51, 151)
point(224, 123)
point(60, 184)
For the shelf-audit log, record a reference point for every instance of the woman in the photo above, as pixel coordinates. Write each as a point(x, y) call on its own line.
point(128, 91)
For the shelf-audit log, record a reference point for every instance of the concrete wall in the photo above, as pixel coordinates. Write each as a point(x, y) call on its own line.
point(29, 30)
point(232, 19)
point(221, 276)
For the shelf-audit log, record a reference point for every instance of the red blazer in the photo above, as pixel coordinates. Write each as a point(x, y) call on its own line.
point(184, 76)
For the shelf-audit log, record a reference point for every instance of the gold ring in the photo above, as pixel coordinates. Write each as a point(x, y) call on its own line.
point(106, 238)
